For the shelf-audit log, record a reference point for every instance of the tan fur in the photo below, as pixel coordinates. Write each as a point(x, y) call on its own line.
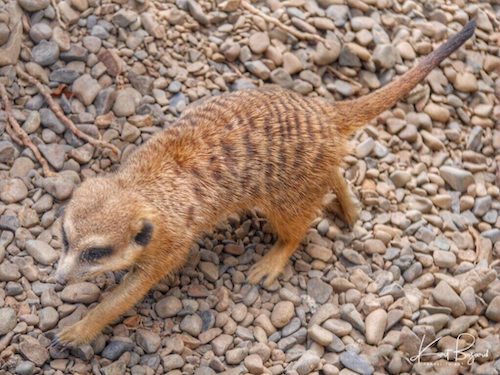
point(268, 148)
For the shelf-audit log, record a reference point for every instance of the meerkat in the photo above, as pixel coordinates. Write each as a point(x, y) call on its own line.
point(269, 148)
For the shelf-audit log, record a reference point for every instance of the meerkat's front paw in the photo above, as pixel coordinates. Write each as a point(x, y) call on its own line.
point(74, 335)
point(267, 267)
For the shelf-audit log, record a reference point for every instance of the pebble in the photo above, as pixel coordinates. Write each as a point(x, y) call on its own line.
point(282, 313)
point(25, 368)
point(374, 246)
point(326, 55)
point(446, 296)
point(320, 335)
point(259, 42)
point(33, 5)
point(444, 259)
point(13, 190)
point(258, 69)
point(168, 307)
point(126, 102)
point(457, 178)
point(8, 320)
point(355, 363)
point(48, 318)
point(437, 113)
point(493, 310)
point(31, 349)
point(465, 82)
point(385, 56)
point(116, 347)
point(319, 290)
point(42, 252)
point(192, 324)
point(375, 324)
point(291, 63)
point(253, 364)
point(83, 292)
point(307, 363)
point(40, 31)
point(147, 340)
point(172, 362)
point(45, 53)
point(86, 89)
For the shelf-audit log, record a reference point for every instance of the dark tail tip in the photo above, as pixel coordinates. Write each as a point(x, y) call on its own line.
point(454, 42)
point(468, 29)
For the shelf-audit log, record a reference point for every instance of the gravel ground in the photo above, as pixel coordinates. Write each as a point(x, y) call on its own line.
point(421, 265)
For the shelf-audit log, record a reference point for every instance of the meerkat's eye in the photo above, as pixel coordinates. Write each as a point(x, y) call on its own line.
point(65, 240)
point(95, 253)
point(144, 236)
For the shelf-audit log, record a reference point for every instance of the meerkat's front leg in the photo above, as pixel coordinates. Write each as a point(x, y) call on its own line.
point(121, 299)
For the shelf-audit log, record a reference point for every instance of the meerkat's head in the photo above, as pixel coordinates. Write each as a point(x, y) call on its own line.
point(105, 227)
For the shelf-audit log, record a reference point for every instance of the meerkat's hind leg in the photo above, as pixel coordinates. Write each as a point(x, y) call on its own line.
point(290, 230)
point(344, 197)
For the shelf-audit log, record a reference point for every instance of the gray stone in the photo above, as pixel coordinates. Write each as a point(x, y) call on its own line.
point(25, 368)
point(356, 363)
point(55, 154)
point(33, 5)
point(49, 120)
point(258, 69)
point(64, 75)
point(40, 31)
point(116, 347)
point(45, 53)
point(319, 290)
point(281, 77)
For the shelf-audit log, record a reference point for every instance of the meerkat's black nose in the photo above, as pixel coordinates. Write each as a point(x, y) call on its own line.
point(61, 278)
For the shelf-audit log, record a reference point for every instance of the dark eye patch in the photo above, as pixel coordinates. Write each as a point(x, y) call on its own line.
point(65, 240)
point(95, 253)
point(144, 236)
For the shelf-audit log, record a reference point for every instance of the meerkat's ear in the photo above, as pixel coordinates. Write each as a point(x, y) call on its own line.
point(145, 234)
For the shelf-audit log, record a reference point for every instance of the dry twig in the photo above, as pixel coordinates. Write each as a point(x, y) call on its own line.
point(20, 136)
point(343, 76)
point(58, 15)
point(55, 107)
point(296, 33)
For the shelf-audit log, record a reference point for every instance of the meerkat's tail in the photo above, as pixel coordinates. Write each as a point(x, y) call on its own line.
point(349, 115)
